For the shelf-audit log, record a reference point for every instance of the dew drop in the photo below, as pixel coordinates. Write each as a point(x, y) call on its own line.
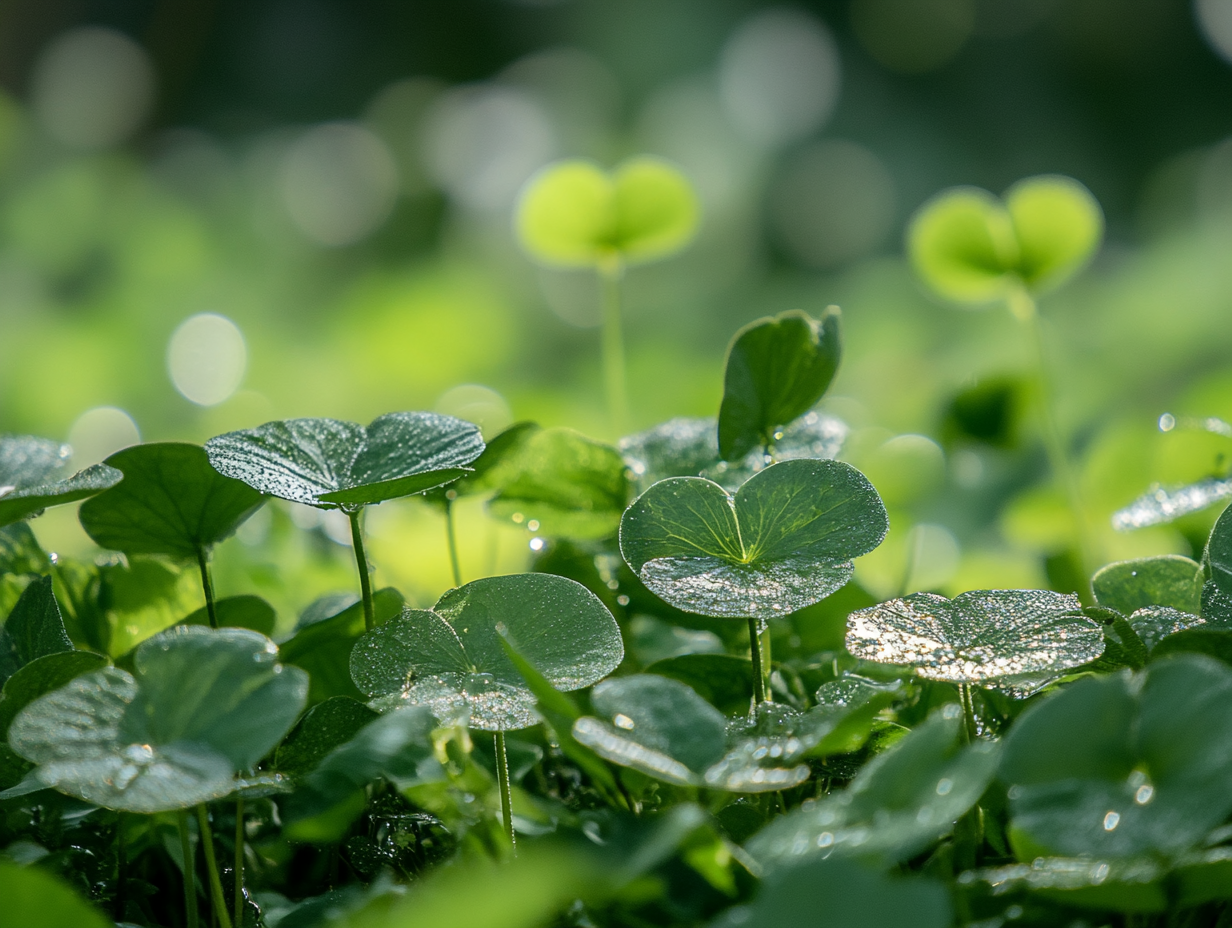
point(825, 839)
point(533, 525)
point(1144, 795)
point(1167, 422)
point(622, 599)
point(518, 518)
point(537, 544)
point(1111, 820)
point(944, 785)
point(623, 721)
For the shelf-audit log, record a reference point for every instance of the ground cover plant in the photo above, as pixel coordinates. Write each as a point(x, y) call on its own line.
point(689, 713)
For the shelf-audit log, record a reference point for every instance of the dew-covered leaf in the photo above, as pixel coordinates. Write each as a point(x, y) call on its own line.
point(784, 542)
point(1168, 580)
point(655, 725)
point(171, 501)
point(766, 749)
point(1219, 553)
point(1216, 606)
point(900, 802)
point(21, 496)
point(1120, 765)
point(723, 680)
point(1153, 624)
point(1134, 885)
point(329, 463)
point(34, 628)
point(324, 727)
point(990, 637)
point(34, 898)
point(843, 894)
point(452, 659)
point(777, 369)
point(1159, 504)
point(244, 611)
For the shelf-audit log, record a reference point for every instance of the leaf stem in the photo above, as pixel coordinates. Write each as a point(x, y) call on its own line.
point(1024, 309)
point(506, 795)
point(452, 538)
point(361, 561)
point(239, 862)
point(211, 866)
point(190, 881)
point(759, 685)
point(968, 711)
point(611, 273)
point(207, 585)
point(121, 868)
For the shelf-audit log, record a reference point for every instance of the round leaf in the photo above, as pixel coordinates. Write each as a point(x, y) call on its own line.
point(776, 370)
point(1168, 580)
point(784, 542)
point(961, 242)
point(452, 659)
point(1118, 766)
point(572, 213)
point(171, 501)
point(329, 463)
point(997, 637)
point(1058, 226)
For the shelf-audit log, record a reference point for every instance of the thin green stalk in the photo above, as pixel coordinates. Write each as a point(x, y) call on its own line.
point(759, 686)
point(208, 586)
point(361, 561)
point(452, 537)
point(506, 796)
point(239, 861)
point(767, 662)
point(211, 866)
point(969, 729)
point(1022, 305)
point(121, 868)
point(613, 345)
point(190, 880)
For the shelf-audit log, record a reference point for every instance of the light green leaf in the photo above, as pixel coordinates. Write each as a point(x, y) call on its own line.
point(1010, 638)
point(171, 501)
point(329, 463)
point(777, 369)
point(34, 898)
point(1168, 580)
point(784, 542)
point(572, 213)
point(1058, 226)
point(201, 705)
point(453, 660)
point(1120, 765)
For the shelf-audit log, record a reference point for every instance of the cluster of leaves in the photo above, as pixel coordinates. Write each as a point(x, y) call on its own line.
point(687, 714)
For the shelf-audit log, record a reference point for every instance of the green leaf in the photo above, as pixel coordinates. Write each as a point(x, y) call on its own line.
point(171, 501)
point(1135, 885)
point(777, 369)
point(1169, 580)
point(784, 542)
point(1160, 505)
point(655, 725)
point(723, 680)
point(329, 463)
point(502, 448)
point(1153, 624)
point(843, 894)
point(573, 213)
point(143, 597)
point(324, 727)
point(1219, 553)
point(1121, 765)
point(571, 485)
point(1018, 639)
point(1058, 226)
point(201, 705)
point(900, 802)
point(34, 898)
point(23, 502)
point(453, 660)
point(245, 611)
point(34, 628)
point(20, 552)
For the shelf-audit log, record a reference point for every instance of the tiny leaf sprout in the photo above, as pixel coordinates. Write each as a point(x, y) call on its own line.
point(972, 248)
point(575, 214)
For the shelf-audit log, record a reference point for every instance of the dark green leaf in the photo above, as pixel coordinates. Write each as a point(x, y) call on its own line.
point(34, 898)
point(32, 477)
point(1213, 642)
point(1169, 580)
point(1219, 553)
point(34, 628)
point(21, 502)
point(723, 680)
point(1135, 885)
point(1216, 606)
point(251, 612)
point(1011, 638)
point(323, 728)
point(20, 552)
point(453, 659)
point(40, 676)
point(776, 370)
point(1119, 766)
point(1155, 623)
point(785, 541)
point(329, 463)
point(171, 501)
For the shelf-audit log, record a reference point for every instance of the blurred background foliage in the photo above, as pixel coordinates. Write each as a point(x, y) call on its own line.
point(214, 213)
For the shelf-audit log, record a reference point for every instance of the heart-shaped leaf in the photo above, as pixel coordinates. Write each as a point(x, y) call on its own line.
point(900, 802)
point(171, 501)
point(452, 658)
point(1169, 580)
point(34, 628)
point(690, 448)
point(329, 463)
point(1009, 638)
point(784, 542)
point(1122, 765)
point(1160, 505)
point(777, 369)
point(31, 477)
point(971, 247)
point(573, 213)
point(200, 706)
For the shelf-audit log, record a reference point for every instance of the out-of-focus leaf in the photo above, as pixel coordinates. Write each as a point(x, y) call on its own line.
point(1159, 505)
point(1058, 226)
point(34, 898)
point(1135, 885)
point(32, 478)
point(244, 611)
point(723, 680)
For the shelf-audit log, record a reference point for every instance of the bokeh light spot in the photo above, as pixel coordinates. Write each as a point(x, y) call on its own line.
point(99, 433)
point(207, 358)
point(1215, 20)
point(478, 404)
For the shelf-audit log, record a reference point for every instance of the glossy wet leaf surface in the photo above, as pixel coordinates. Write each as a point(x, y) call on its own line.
point(1168, 580)
point(1134, 885)
point(171, 501)
point(784, 542)
point(991, 637)
point(330, 463)
point(899, 803)
point(452, 659)
point(1118, 765)
point(33, 476)
point(1160, 505)
point(777, 369)
point(200, 706)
